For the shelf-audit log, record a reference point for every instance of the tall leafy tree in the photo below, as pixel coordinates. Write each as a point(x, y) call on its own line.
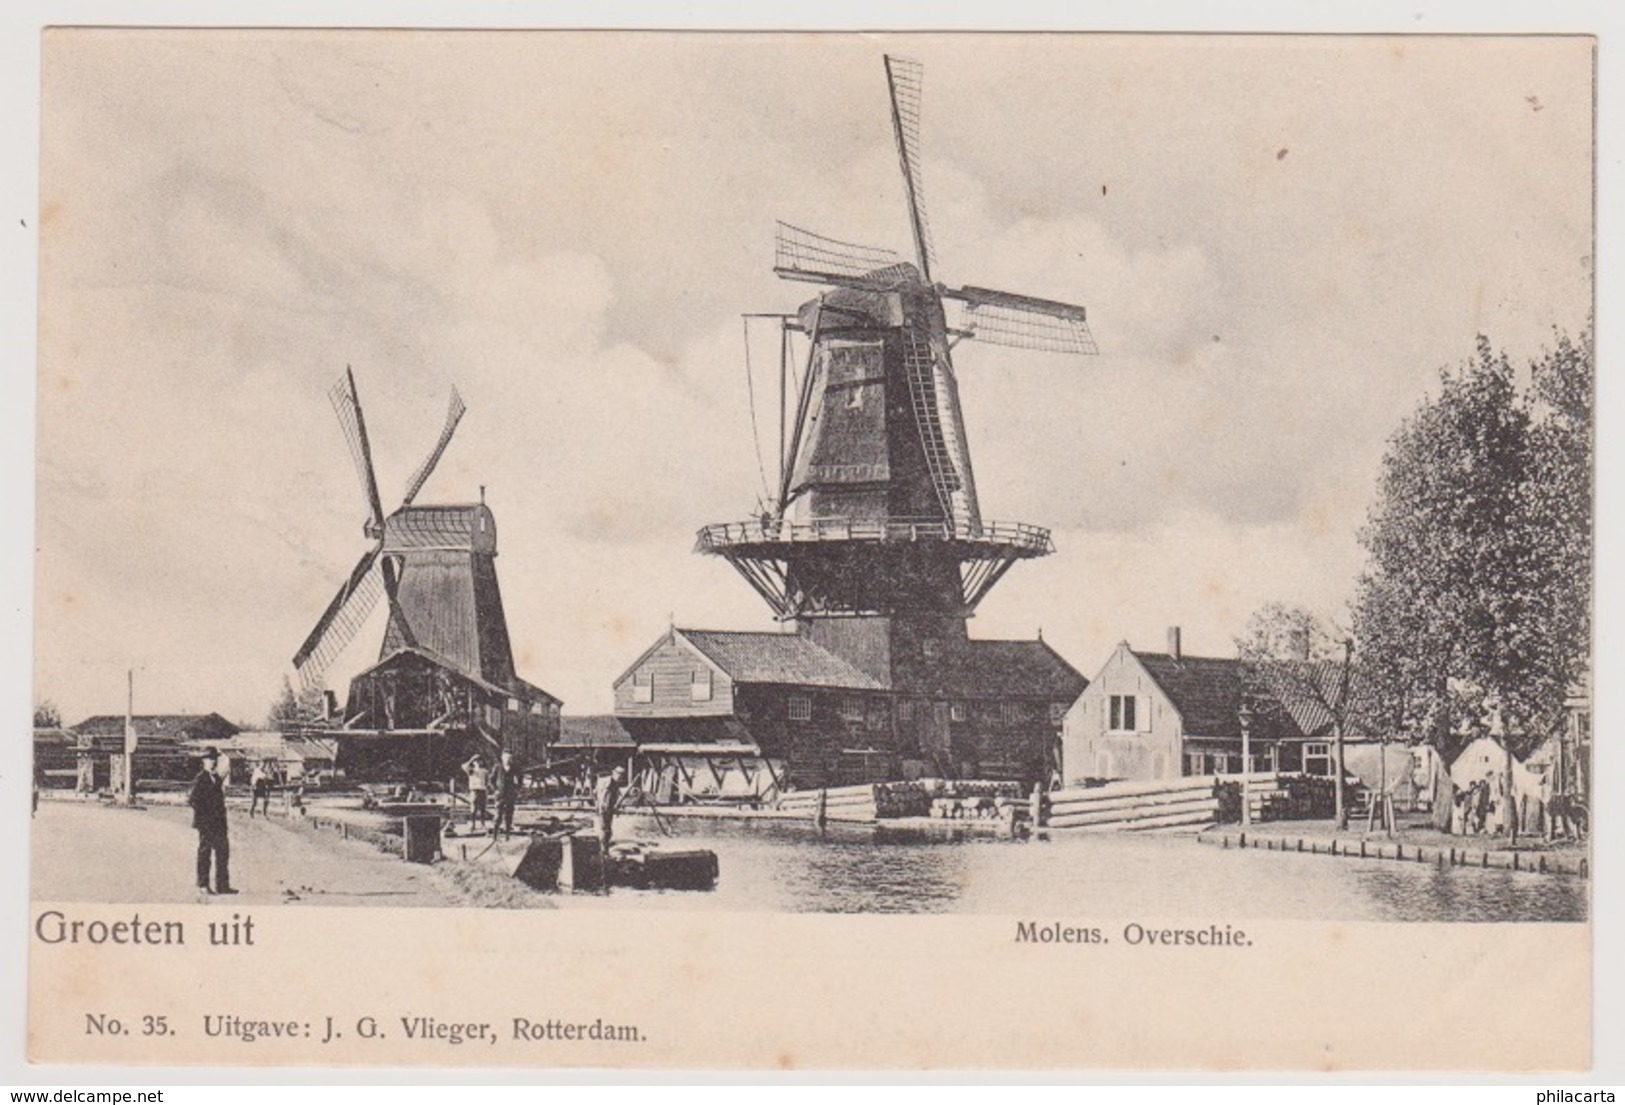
point(1474, 605)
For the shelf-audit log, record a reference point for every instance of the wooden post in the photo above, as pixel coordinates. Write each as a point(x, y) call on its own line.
point(1246, 718)
point(819, 807)
point(127, 792)
point(1038, 806)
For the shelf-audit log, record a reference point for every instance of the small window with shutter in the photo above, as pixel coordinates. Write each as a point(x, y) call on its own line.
point(699, 688)
point(643, 686)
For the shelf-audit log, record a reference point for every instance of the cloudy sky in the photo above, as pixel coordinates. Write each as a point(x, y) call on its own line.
point(1280, 241)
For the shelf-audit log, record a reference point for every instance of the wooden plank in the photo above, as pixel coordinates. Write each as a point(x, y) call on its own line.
point(1164, 822)
point(1122, 790)
point(1129, 802)
point(1143, 813)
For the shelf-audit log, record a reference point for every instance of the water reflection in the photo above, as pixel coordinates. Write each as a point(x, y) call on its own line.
point(791, 867)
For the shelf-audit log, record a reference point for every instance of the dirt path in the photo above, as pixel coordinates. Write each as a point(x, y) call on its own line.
point(85, 851)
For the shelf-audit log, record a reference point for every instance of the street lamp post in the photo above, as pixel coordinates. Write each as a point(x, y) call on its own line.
point(1245, 716)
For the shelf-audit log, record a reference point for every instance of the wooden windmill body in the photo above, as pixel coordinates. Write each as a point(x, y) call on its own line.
point(444, 685)
point(876, 546)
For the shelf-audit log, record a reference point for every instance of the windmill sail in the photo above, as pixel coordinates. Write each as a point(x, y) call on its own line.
point(340, 622)
point(905, 78)
point(347, 405)
point(454, 414)
point(1022, 322)
point(803, 255)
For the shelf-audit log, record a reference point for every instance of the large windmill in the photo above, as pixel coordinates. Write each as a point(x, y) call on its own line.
point(445, 667)
point(875, 544)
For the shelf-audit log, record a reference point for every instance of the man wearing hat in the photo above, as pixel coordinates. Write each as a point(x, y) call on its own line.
point(208, 802)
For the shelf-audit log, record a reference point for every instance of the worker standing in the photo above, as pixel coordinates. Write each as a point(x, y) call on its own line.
point(479, 783)
point(507, 795)
point(608, 800)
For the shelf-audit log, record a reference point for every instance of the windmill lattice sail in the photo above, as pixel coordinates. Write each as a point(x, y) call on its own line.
point(998, 318)
point(800, 253)
point(906, 79)
point(338, 627)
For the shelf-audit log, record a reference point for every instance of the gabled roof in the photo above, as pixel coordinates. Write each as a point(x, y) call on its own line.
point(782, 658)
point(520, 689)
point(150, 727)
point(593, 731)
point(1001, 669)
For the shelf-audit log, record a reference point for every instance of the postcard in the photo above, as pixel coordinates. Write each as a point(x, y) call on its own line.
point(796, 551)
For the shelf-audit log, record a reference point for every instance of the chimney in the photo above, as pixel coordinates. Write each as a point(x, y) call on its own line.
point(1173, 642)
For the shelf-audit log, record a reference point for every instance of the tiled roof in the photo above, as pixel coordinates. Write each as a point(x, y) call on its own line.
point(1206, 691)
point(593, 731)
point(784, 658)
point(1290, 697)
point(1001, 669)
point(1309, 689)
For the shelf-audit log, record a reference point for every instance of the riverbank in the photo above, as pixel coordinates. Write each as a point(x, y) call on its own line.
point(88, 850)
point(1413, 843)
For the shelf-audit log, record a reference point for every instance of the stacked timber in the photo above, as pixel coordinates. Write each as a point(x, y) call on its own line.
point(857, 803)
point(866, 802)
point(1119, 807)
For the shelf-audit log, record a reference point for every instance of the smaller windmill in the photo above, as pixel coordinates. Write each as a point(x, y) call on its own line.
point(446, 665)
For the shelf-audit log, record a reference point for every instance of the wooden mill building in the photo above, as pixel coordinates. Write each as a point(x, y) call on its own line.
point(748, 714)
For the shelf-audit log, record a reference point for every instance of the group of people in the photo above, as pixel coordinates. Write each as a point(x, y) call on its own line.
point(207, 799)
point(479, 788)
point(1483, 807)
point(608, 794)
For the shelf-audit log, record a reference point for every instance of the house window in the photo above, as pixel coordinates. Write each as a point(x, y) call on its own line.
point(1195, 763)
point(851, 709)
point(1123, 713)
point(956, 712)
point(854, 399)
point(1010, 713)
point(905, 710)
point(1221, 763)
point(699, 687)
point(1317, 758)
point(643, 686)
point(513, 706)
point(877, 717)
point(800, 708)
point(929, 648)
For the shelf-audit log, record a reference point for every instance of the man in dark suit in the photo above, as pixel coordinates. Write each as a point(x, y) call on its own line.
point(208, 802)
point(507, 795)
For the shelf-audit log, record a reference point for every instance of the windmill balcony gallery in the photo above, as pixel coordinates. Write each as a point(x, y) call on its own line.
point(1019, 536)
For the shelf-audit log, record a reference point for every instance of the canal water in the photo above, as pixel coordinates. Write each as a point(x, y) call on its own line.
point(778, 866)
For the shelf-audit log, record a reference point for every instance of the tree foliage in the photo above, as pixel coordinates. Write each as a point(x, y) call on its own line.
point(291, 707)
point(1474, 606)
point(46, 715)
